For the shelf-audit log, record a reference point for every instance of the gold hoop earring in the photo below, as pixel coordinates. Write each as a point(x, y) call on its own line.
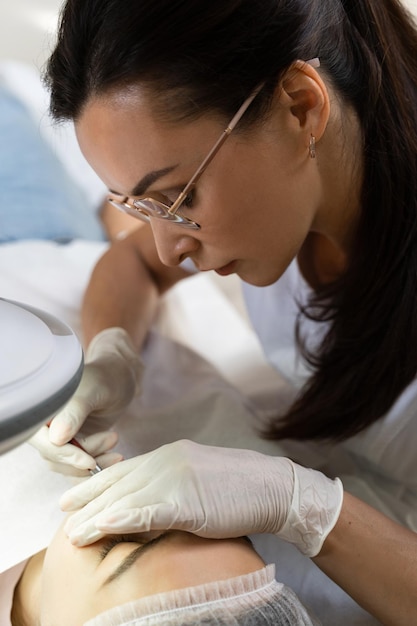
point(312, 147)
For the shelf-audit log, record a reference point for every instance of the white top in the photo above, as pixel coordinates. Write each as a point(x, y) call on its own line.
point(384, 454)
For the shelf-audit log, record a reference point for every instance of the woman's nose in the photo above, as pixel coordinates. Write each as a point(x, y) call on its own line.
point(173, 242)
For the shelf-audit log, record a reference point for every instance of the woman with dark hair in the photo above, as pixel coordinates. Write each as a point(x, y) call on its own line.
point(311, 194)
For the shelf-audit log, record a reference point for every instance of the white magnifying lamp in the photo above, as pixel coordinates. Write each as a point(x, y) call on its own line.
point(41, 362)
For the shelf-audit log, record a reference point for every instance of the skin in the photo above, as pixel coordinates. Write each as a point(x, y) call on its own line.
point(63, 572)
point(261, 202)
point(375, 561)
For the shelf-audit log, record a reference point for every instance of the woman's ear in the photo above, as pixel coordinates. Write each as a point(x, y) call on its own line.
point(306, 98)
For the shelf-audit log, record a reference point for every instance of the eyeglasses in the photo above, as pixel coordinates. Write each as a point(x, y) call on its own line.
point(146, 207)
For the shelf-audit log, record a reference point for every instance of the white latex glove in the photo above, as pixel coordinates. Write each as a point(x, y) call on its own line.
point(210, 491)
point(111, 377)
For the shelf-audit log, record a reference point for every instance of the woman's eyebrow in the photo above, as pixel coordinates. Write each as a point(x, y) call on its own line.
point(148, 180)
point(133, 556)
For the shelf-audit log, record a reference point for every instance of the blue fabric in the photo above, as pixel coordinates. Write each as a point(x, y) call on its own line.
point(38, 199)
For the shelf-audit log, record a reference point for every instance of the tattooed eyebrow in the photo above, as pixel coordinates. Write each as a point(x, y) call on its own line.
point(133, 557)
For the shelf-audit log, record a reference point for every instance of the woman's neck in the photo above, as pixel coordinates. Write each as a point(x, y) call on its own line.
point(320, 261)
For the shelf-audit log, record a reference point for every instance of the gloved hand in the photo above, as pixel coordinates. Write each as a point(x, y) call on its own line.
point(111, 377)
point(212, 492)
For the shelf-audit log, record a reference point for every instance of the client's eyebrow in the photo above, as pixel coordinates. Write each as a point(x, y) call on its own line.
point(133, 556)
point(148, 180)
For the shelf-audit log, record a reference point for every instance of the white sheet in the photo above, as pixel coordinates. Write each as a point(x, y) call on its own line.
point(213, 400)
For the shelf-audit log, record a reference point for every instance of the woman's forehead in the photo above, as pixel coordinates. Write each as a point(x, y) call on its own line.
point(123, 140)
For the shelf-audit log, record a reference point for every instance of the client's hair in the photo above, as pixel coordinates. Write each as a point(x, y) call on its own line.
point(254, 599)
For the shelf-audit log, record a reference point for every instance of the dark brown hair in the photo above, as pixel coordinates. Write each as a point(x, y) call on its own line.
point(211, 54)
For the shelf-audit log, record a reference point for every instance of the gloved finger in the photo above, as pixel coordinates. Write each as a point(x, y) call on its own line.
point(98, 443)
point(85, 535)
point(109, 459)
point(81, 495)
point(139, 515)
point(117, 498)
point(155, 517)
point(104, 460)
point(138, 520)
point(66, 424)
point(68, 470)
point(66, 454)
point(84, 518)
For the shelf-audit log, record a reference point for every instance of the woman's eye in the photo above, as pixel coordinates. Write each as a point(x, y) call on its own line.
point(114, 540)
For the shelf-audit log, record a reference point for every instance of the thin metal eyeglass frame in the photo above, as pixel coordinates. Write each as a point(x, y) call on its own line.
point(170, 212)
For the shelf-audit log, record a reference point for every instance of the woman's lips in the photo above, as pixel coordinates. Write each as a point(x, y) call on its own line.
point(226, 269)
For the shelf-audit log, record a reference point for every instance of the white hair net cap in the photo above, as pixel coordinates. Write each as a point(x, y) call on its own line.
point(255, 599)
